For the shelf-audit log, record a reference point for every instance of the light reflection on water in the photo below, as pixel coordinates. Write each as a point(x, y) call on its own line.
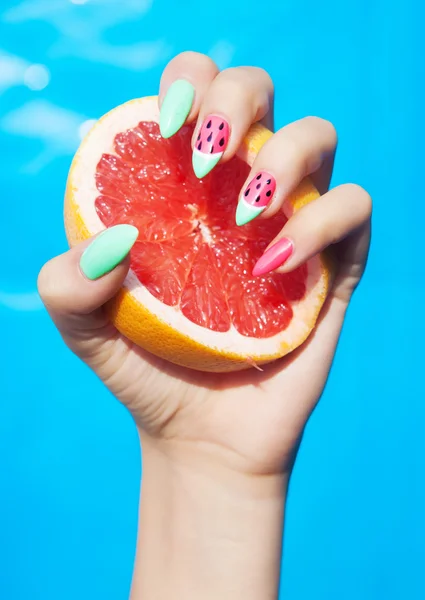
point(65, 37)
point(33, 117)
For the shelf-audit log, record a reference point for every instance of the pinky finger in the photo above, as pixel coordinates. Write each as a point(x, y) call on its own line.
point(324, 222)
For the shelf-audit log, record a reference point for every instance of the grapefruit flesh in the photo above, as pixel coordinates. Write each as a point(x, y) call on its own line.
point(190, 296)
point(190, 253)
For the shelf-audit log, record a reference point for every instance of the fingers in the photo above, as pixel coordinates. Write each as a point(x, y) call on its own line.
point(235, 99)
point(299, 149)
point(228, 103)
point(184, 84)
point(307, 148)
point(225, 105)
point(75, 285)
point(341, 214)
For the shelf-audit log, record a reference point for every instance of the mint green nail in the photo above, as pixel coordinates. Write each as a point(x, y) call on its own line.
point(108, 250)
point(204, 163)
point(246, 213)
point(176, 107)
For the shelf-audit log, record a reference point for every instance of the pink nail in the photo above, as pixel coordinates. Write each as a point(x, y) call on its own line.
point(260, 190)
point(210, 145)
point(274, 257)
point(213, 136)
point(255, 198)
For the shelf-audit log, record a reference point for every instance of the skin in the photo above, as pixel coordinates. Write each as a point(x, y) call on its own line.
point(218, 449)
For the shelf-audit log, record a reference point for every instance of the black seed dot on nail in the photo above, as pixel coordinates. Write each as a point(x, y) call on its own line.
point(199, 137)
point(221, 142)
point(208, 124)
point(269, 181)
point(257, 199)
point(258, 186)
point(247, 192)
point(209, 138)
point(268, 193)
point(221, 126)
point(199, 145)
point(212, 150)
point(259, 176)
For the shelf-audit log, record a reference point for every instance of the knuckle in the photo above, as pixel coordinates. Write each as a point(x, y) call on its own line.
point(236, 79)
point(249, 79)
point(251, 87)
point(298, 157)
point(363, 198)
point(265, 90)
point(260, 74)
point(322, 227)
point(189, 58)
point(326, 126)
point(326, 232)
point(238, 88)
point(46, 284)
point(307, 142)
point(44, 281)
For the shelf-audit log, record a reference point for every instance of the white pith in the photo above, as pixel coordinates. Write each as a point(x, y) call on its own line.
point(101, 140)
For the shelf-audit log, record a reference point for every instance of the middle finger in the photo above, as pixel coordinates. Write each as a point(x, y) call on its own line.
point(236, 98)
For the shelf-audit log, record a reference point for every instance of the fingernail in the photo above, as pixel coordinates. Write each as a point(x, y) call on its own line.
point(210, 145)
point(274, 257)
point(256, 197)
point(108, 250)
point(176, 107)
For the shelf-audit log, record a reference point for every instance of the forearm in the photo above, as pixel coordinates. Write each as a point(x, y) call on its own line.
point(206, 532)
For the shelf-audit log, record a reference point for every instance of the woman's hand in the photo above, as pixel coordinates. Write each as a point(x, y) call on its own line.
point(239, 429)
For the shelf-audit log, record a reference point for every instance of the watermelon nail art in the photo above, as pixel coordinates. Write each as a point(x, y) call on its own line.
point(256, 197)
point(210, 145)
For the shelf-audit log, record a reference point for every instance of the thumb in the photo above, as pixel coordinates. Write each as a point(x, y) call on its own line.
point(75, 285)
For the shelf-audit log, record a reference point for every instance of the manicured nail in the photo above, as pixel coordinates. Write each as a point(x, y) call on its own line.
point(274, 257)
point(108, 250)
point(176, 107)
point(210, 145)
point(255, 198)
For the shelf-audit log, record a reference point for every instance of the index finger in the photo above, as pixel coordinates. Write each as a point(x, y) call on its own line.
point(184, 83)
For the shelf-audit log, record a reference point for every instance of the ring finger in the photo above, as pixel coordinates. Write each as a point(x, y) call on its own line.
point(305, 147)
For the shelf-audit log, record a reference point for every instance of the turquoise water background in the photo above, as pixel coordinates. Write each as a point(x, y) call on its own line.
point(69, 457)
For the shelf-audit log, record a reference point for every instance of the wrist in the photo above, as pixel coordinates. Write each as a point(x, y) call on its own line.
point(206, 531)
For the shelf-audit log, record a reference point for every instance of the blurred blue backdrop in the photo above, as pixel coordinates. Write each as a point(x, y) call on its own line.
point(69, 457)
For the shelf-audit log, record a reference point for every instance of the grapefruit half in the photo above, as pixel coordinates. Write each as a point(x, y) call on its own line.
point(190, 296)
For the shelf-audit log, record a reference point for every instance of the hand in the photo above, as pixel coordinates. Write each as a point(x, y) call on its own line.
point(246, 423)
point(251, 419)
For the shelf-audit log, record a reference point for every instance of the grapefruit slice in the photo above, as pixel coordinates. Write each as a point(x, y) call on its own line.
point(190, 296)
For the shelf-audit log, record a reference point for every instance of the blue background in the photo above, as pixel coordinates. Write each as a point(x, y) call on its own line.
point(69, 457)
